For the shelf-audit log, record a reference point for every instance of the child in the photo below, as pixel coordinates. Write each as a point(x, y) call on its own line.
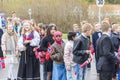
point(68, 56)
point(81, 50)
point(29, 65)
point(59, 72)
point(10, 52)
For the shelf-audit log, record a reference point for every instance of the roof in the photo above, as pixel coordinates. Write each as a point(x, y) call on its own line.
point(105, 7)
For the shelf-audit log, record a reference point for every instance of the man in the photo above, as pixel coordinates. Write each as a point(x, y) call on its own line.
point(105, 53)
point(81, 51)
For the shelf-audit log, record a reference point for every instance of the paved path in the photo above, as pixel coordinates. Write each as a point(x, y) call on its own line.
point(91, 74)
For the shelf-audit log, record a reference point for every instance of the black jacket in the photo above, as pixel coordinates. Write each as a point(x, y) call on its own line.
point(44, 43)
point(105, 54)
point(116, 41)
point(81, 44)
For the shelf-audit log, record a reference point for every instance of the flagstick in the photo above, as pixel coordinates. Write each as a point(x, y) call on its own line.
point(25, 58)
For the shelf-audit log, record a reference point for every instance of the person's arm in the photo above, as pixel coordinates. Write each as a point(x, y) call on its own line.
point(93, 41)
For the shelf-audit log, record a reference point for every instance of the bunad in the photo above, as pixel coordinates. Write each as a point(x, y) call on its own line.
point(29, 65)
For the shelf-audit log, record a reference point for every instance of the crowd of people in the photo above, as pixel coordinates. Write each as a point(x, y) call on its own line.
point(42, 54)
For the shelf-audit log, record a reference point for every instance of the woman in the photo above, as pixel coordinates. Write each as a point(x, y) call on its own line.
point(29, 65)
point(10, 52)
point(59, 71)
point(48, 39)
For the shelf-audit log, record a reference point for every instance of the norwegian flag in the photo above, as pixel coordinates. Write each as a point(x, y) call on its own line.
point(89, 60)
point(50, 49)
point(2, 63)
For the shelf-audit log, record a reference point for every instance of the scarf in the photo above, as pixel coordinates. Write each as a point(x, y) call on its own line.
point(29, 36)
point(58, 33)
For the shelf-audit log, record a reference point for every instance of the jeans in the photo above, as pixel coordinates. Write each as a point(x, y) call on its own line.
point(119, 74)
point(71, 74)
point(59, 72)
point(80, 72)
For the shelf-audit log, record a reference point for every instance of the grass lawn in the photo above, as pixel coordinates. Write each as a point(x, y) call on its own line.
point(64, 36)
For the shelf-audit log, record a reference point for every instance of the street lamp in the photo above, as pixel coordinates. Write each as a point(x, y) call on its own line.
point(30, 13)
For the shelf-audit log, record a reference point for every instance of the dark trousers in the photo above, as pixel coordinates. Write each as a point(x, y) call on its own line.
point(105, 76)
point(116, 70)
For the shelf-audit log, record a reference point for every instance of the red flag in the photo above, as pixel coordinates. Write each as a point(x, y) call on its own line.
point(91, 48)
point(2, 63)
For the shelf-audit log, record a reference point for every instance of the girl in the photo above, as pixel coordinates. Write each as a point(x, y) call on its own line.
point(59, 71)
point(68, 56)
point(48, 39)
point(10, 52)
point(29, 65)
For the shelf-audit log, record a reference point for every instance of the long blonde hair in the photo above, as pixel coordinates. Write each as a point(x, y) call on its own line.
point(23, 28)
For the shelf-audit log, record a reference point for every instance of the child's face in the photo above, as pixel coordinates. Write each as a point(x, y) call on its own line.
point(10, 28)
point(89, 32)
point(74, 37)
point(118, 29)
point(76, 28)
point(58, 37)
point(27, 26)
point(52, 30)
point(43, 31)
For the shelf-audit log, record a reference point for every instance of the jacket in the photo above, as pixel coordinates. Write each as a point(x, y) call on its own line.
point(105, 54)
point(57, 53)
point(81, 44)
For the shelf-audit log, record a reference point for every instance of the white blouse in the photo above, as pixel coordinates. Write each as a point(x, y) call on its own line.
point(34, 42)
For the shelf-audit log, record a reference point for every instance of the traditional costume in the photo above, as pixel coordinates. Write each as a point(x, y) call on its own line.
point(29, 65)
